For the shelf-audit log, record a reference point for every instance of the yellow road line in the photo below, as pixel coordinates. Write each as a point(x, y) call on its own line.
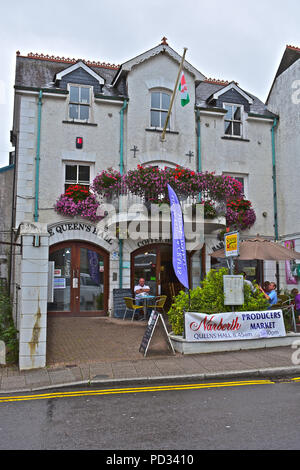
point(114, 391)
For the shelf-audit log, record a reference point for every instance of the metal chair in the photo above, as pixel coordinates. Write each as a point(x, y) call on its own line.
point(129, 302)
point(159, 303)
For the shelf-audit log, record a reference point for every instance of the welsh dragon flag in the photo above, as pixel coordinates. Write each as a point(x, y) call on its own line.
point(185, 99)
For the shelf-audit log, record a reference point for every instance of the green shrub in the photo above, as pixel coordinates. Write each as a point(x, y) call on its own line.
point(209, 298)
point(8, 332)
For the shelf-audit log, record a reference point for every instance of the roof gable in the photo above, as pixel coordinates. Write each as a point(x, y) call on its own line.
point(161, 48)
point(83, 66)
point(231, 87)
point(290, 56)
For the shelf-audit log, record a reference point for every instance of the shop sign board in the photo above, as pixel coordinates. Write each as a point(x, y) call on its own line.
point(231, 241)
point(232, 326)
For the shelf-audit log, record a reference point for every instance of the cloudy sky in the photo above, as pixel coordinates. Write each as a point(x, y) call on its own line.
point(230, 40)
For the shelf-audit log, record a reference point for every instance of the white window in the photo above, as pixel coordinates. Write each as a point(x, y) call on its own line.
point(79, 102)
point(77, 174)
point(160, 103)
point(234, 120)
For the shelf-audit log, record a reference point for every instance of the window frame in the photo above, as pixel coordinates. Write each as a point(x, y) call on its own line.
point(161, 110)
point(77, 164)
point(232, 121)
point(79, 103)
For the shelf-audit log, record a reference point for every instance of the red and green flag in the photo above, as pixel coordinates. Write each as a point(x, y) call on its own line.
point(184, 96)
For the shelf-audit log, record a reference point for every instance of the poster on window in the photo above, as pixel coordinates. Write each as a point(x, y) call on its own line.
point(290, 277)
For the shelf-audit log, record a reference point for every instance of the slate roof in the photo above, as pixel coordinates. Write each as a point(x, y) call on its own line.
point(39, 71)
point(208, 87)
point(290, 56)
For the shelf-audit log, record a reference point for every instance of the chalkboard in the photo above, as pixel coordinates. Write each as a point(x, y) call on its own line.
point(119, 302)
point(154, 317)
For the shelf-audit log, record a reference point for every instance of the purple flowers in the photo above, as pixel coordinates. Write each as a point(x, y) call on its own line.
point(150, 183)
point(70, 205)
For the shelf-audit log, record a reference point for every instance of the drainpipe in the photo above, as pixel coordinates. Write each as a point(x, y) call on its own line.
point(275, 122)
point(37, 159)
point(199, 141)
point(121, 171)
point(199, 168)
point(274, 179)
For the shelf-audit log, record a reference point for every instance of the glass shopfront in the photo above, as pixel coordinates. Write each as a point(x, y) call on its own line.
point(154, 264)
point(80, 282)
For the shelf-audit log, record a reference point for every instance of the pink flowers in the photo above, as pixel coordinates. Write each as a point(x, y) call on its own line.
point(150, 183)
point(78, 201)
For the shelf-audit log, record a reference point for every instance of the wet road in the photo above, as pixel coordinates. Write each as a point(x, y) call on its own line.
point(254, 414)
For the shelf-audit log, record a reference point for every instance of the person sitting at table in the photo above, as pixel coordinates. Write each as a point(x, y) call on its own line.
point(140, 292)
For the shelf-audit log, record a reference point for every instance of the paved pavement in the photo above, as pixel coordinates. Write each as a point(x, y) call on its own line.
point(83, 351)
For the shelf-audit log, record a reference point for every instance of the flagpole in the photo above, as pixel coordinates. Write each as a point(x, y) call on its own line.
point(173, 95)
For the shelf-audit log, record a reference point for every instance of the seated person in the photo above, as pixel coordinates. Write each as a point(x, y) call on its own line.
point(140, 291)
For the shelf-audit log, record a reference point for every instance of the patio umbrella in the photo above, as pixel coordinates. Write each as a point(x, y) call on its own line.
point(261, 249)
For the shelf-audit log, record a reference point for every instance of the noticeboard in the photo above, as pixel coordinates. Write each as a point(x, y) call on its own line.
point(119, 302)
point(233, 290)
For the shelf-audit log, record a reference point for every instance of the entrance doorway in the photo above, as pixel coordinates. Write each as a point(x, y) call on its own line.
point(154, 264)
point(80, 283)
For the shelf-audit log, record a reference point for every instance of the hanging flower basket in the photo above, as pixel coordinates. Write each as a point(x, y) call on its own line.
point(78, 201)
point(107, 182)
point(240, 215)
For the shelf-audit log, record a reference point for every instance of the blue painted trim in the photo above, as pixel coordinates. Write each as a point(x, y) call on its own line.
point(121, 171)
point(7, 168)
point(37, 164)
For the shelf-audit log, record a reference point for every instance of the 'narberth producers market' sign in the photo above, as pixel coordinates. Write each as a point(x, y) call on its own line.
point(234, 325)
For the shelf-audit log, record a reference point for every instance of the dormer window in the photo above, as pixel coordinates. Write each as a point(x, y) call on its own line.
point(233, 120)
point(160, 103)
point(79, 102)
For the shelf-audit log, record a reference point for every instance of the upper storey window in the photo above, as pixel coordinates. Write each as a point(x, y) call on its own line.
point(160, 103)
point(233, 120)
point(79, 102)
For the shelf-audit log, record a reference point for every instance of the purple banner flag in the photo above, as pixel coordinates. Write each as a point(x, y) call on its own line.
point(178, 239)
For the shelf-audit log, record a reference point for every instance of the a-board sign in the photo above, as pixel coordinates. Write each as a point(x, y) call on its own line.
point(119, 302)
point(154, 318)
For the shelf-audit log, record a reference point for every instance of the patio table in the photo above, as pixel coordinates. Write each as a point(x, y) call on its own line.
point(145, 299)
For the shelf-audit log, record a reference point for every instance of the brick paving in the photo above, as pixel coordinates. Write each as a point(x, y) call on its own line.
point(105, 350)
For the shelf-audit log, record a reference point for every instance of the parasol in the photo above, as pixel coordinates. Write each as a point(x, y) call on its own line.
point(261, 249)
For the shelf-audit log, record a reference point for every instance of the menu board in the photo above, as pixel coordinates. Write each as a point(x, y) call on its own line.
point(119, 302)
point(154, 317)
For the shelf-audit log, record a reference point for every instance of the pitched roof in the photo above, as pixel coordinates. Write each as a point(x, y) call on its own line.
point(161, 48)
point(39, 71)
point(209, 87)
point(290, 56)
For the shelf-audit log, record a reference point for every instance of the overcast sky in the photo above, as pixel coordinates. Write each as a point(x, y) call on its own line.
point(230, 40)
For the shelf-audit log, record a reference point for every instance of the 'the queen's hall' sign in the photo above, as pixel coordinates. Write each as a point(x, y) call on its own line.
point(79, 227)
